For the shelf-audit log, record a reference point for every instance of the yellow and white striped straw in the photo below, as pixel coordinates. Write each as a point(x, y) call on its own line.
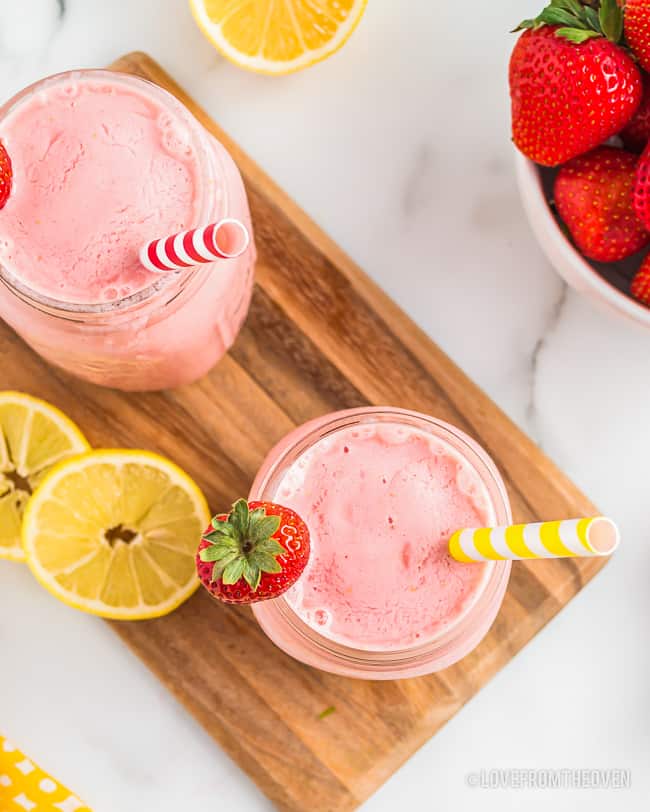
point(569, 538)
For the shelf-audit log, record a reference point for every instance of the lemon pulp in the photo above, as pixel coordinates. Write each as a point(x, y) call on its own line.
point(34, 437)
point(115, 533)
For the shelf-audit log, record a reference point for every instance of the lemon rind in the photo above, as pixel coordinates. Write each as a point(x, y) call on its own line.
point(269, 67)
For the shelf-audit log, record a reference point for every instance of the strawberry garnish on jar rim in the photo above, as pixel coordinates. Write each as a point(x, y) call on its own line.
point(6, 176)
point(254, 553)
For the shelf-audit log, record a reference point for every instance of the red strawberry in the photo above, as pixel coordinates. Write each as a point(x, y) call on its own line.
point(637, 30)
point(6, 175)
point(641, 192)
point(254, 553)
point(571, 85)
point(593, 196)
point(640, 287)
point(637, 133)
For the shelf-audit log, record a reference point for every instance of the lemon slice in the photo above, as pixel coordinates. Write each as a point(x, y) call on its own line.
point(34, 436)
point(277, 36)
point(115, 532)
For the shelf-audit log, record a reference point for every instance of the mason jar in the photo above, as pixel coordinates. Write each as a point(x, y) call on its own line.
point(302, 640)
point(174, 329)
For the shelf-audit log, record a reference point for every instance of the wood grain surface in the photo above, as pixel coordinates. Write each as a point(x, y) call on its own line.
point(320, 336)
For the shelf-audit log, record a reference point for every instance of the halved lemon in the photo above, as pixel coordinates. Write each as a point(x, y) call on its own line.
point(115, 532)
point(277, 36)
point(34, 436)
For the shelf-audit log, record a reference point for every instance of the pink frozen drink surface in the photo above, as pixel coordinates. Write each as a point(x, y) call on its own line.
point(381, 502)
point(99, 168)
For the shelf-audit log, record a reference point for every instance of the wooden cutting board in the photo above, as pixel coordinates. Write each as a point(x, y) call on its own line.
point(320, 336)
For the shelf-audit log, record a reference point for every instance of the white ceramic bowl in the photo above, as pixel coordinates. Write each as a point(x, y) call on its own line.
point(605, 284)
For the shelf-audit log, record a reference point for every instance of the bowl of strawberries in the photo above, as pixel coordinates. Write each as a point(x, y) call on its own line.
point(580, 92)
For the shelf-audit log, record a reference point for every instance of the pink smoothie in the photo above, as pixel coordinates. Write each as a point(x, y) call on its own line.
point(103, 163)
point(381, 502)
point(99, 168)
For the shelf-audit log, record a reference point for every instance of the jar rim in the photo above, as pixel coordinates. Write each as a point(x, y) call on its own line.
point(173, 283)
point(491, 586)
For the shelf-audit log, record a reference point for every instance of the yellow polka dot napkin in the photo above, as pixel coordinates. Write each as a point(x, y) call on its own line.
point(24, 787)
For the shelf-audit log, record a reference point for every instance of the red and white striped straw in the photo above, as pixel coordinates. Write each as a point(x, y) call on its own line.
point(226, 239)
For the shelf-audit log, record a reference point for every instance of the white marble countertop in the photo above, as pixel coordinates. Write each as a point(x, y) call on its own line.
point(399, 147)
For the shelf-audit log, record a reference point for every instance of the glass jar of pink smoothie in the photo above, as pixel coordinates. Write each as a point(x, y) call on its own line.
point(382, 490)
point(102, 163)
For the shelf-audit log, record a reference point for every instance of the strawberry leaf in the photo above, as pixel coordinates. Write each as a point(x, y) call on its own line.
point(264, 528)
point(580, 21)
point(253, 575)
point(574, 6)
point(258, 513)
point(220, 532)
point(569, 13)
point(591, 17)
point(234, 571)
point(227, 559)
point(558, 16)
point(218, 552)
point(523, 25)
point(610, 17)
point(576, 35)
point(223, 541)
point(239, 517)
point(266, 562)
point(217, 571)
point(270, 546)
